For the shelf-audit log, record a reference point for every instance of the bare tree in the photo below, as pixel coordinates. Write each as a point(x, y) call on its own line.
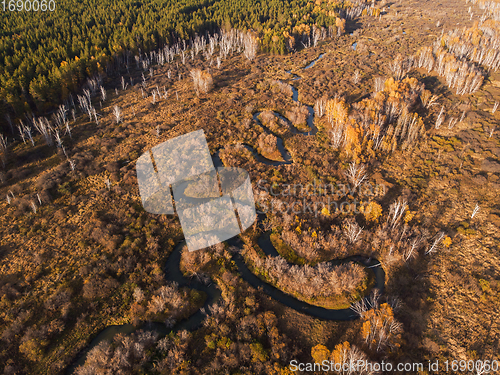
point(360, 307)
point(379, 84)
point(202, 81)
point(20, 127)
point(373, 301)
point(440, 118)
point(463, 116)
point(428, 100)
point(400, 67)
point(3, 149)
point(383, 329)
point(356, 174)
point(87, 94)
point(352, 231)
point(437, 240)
point(103, 94)
point(495, 107)
point(452, 122)
point(251, 45)
point(411, 250)
point(85, 105)
point(394, 302)
point(68, 129)
point(320, 107)
point(138, 295)
point(117, 112)
point(476, 210)
point(44, 128)
point(346, 358)
point(57, 137)
point(337, 136)
point(492, 130)
point(316, 35)
point(396, 211)
point(356, 77)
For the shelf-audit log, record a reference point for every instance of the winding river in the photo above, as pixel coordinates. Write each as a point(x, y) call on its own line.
point(173, 272)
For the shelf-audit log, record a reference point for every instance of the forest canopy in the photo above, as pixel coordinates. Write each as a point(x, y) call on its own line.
point(46, 55)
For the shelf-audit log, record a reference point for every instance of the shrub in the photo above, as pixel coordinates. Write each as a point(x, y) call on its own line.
point(320, 353)
point(372, 211)
point(202, 80)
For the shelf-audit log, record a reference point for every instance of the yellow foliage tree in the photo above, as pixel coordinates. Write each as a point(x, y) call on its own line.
point(372, 211)
point(380, 329)
point(447, 241)
point(409, 216)
point(339, 353)
point(280, 370)
point(340, 23)
point(336, 111)
point(352, 136)
point(320, 353)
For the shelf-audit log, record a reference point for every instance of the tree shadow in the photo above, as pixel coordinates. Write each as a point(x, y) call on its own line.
point(5, 250)
point(228, 76)
point(352, 26)
point(433, 84)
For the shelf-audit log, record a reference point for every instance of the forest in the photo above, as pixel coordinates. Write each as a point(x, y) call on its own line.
point(46, 56)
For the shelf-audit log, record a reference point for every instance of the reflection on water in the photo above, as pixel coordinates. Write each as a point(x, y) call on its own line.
point(312, 63)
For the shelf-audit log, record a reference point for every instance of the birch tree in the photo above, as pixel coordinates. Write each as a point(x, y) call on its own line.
point(117, 112)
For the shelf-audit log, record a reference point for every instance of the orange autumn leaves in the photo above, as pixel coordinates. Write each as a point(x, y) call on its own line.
point(383, 121)
point(339, 354)
point(380, 332)
point(344, 357)
point(347, 132)
point(320, 353)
